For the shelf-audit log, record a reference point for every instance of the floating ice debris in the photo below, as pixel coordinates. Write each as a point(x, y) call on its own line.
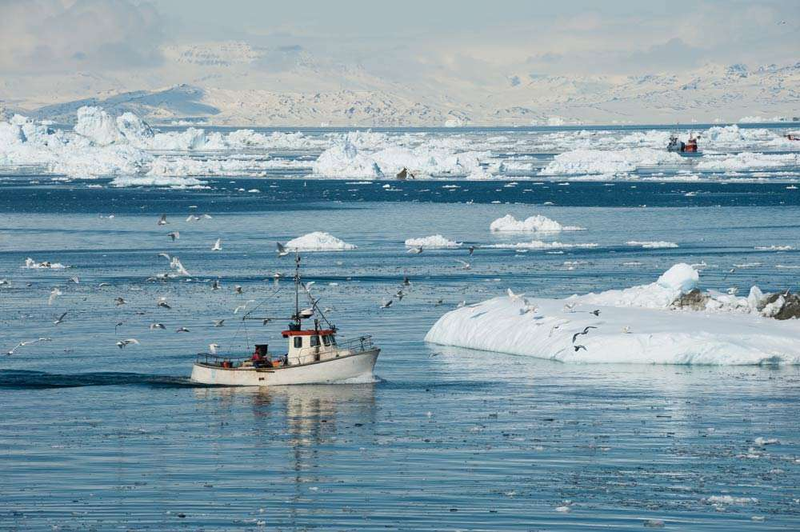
point(44, 265)
point(730, 500)
point(652, 245)
point(748, 161)
point(537, 223)
point(318, 241)
point(765, 441)
point(538, 244)
point(432, 242)
point(583, 161)
point(774, 248)
point(648, 324)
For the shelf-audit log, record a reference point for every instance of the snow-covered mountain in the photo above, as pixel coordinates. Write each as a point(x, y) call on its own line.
point(233, 83)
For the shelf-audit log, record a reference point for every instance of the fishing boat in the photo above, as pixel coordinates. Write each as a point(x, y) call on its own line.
point(314, 355)
point(689, 147)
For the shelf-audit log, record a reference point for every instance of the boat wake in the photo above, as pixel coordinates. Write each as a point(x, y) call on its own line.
point(21, 379)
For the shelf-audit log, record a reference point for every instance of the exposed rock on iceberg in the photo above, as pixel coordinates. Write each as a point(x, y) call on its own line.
point(648, 324)
point(318, 241)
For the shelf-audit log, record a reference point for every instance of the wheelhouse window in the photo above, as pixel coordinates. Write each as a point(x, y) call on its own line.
point(333, 340)
point(314, 341)
point(298, 342)
point(326, 340)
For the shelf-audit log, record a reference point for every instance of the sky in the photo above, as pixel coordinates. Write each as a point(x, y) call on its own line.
point(409, 39)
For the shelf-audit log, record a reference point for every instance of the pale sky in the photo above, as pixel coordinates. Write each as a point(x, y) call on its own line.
point(412, 37)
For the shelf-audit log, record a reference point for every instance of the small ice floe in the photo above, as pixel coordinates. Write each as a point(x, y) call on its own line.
point(652, 244)
point(538, 244)
point(432, 242)
point(729, 500)
point(761, 442)
point(532, 224)
point(774, 248)
point(653, 523)
point(318, 241)
point(44, 265)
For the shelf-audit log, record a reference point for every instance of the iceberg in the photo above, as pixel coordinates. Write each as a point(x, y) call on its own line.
point(344, 161)
point(648, 324)
point(652, 245)
point(432, 242)
point(748, 161)
point(537, 223)
point(318, 241)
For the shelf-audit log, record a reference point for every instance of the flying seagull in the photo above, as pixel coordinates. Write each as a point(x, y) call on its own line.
point(471, 250)
point(53, 295)
point(386, 304)
point(123, 343)
point(464, 264)
point(585, 331)
point(579, 347)
point(154, 326)
point(27, 342)
point(175, 235)
point(162, 302)
point(163, 220)
point(512, 295)
point(217, 245)
point(215, 285)
point(282, 251)
point(238, 289)
point(181, 330)
point(415, 250)
point(119, 301)
point(219, 323)
point(60, 318)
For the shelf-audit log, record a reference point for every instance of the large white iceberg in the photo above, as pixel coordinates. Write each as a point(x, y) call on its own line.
point(748, 161)
point(641, 325)
point(537, 223)
point(318, 241)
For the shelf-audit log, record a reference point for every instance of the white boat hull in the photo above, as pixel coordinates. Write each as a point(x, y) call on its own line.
point(323, 372)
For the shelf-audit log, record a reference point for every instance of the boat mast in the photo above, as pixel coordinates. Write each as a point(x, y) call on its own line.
point(297, 287)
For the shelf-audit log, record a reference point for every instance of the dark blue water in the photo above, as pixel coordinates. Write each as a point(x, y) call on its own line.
point(94, 437)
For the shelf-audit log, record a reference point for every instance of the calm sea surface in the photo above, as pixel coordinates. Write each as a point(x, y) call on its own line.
point(94, 437)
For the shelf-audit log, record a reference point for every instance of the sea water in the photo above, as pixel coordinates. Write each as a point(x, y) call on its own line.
point(97, 437)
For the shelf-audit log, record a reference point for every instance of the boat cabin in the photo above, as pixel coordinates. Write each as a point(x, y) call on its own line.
point(312, 345)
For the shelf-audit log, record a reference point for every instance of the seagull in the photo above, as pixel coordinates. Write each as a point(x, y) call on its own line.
point(217, 245)
point(103, 285)
point(27, 342)
point(165, 255)
point(595, 312)
point(568, 307)
point(461, 304)
point(732, 270)
point(4, 282)
point(585, 331)
point(53, 295)
point(238, 289)
point(626, 329)
point(176, 264)
point(512, 295)
point(163, 220)
point(192, 218)
point(400, 295)
point(175, 235)
point(471, 250)
point(579, 347)
point(181, 329)
point(74, 280)
point(465, 265)
point(119, 301)
point(406, 281)
point(733, 290)
point(439, 302)
point(215, 285)
point(154, 326)
point(123, 343)
point(60, 319)
point(527, 307)
point(386, 304)
point(162, 302)
point(306, 313)
point(282, 251)
point(553, 328)
point(212, 348)
point(219, 323)
point(118, 324)
point(415, 250)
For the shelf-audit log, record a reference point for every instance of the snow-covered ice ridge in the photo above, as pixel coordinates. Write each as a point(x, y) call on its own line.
point(133, 153)
point(432, 242)
point(532, 224)
point(669, 321)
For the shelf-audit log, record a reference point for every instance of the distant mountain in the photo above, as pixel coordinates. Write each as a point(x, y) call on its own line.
point(233, 83)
